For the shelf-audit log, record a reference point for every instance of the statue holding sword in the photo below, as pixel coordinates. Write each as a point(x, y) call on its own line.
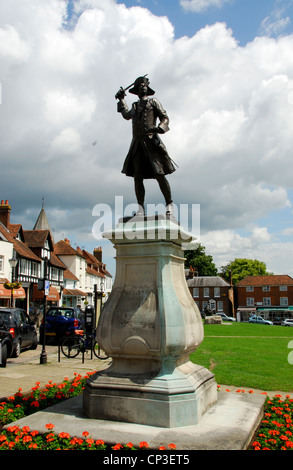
point(147, 156)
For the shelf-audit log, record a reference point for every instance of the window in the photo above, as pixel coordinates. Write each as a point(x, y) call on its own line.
point(195, 292)
point(24, 266)
point(220, 306)
point(55, 274)
point(204, 305)
point(216, 292)
point(250, 301)
point(35, 270)
point(283, 288)
point(266, 301)
point(284, 301)
point(266, 288)
point(249, 289)
point(206, 292)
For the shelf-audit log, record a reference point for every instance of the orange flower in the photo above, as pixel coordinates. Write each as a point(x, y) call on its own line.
point(172, 446)
point(143, 444)
point(85, 433)
point(89, 441)
point(33, 445)
point(64, 435)
point(117, 446)
point(50, 426)
point(99, 442)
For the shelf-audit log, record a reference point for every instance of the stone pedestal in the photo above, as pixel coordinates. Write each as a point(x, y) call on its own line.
point(149, 326)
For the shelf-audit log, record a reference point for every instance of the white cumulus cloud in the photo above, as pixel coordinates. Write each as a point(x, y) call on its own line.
point(230, 110)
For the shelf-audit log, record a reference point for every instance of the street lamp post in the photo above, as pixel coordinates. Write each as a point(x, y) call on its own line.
point(43, 356)
point(13, 263)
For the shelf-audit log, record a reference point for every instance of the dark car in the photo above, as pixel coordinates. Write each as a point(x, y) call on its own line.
point(62, 321)
point(21, 328)
point(6, 345)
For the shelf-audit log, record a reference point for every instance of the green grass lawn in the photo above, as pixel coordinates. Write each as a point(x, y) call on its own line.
point(247, 355)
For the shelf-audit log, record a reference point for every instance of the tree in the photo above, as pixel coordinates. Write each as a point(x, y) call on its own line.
point(202, 263)
point(242, 267)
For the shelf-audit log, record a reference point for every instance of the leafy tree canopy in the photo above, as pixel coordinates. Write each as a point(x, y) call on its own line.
point(242, 267)
point(200, 261)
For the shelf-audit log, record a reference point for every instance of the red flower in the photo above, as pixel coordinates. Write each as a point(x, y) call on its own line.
point(143, 444)
point(129, 445)
point(172, 446)
point(99, 442)
point(50, 426)
point(64, 435)
point(117, 446)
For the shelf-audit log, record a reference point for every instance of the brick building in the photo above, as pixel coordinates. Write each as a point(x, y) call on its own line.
point(211, 291)
point(269, 296)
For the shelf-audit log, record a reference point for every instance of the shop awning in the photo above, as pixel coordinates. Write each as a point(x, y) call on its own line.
point(17, 293)
point(53, 296)
point(74, 293)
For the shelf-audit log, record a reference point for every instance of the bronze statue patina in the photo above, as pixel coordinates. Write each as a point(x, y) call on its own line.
point(147, 157)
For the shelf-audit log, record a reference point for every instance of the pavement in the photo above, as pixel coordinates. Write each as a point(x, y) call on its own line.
point(24, 371)
point(228, 425)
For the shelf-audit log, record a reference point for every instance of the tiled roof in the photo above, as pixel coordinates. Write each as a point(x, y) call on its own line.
point(63, 247)
point(69, 275)
point(207, 281)
point(21, 248)
point(270, 280)
point(94, 261)
point(55, 261)
point(73, 292)
point(37, 238)
point(14, 229)
point(93, 272)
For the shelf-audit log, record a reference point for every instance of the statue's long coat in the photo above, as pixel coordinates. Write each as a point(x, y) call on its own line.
point(154, 158)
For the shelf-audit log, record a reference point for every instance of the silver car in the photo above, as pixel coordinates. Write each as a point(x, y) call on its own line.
point(287, 322)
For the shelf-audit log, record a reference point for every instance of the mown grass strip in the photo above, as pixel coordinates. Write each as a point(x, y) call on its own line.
point(247, 355)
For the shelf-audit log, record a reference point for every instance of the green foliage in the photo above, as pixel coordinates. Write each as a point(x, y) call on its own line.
point(200, 261)
point(242, 267)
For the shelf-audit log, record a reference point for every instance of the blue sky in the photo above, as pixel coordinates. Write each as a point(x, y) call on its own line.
point(244, 17)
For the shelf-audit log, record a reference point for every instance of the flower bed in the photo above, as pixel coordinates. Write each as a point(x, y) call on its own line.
point(21, 405)
point(275, 431)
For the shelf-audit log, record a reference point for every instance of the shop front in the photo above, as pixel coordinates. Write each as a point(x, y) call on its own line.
point(11, 296)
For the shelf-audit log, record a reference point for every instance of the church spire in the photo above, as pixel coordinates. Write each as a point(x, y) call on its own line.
point(42, 221)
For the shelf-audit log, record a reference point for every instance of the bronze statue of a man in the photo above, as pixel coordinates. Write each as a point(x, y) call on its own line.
point(147, 157)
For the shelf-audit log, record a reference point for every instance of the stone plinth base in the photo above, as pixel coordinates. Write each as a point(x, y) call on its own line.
point(170, 400)
point(149, 327)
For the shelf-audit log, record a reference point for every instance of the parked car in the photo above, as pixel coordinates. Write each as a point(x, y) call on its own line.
point(6, 345)
point(62, 321)
point(225, 317)
point(287, 322)
point(260, 320)
point(21, 328)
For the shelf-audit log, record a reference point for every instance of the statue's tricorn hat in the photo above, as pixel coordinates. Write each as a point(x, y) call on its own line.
point(138, 81)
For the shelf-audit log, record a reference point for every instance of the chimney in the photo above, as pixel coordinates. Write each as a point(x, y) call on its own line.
point(5, 213)
point(98, 253)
